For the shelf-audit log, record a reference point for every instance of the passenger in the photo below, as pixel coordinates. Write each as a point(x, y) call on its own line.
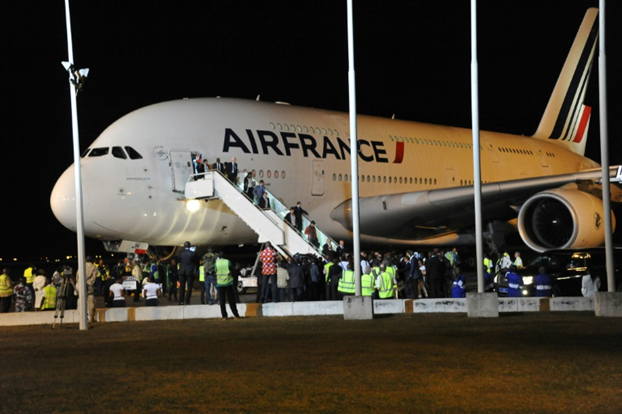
point(249, 184)
point(298, 212)
point(268, 257)
point(23, 296)
point(218, 166)
point(236, 272)
point(264, 203)
point(590, 285)
point(315, 278)
point(290, 218)
point(457, 289)
point(296, 279)
point(6, 290)
point(341, 248)
point(137, 274)
point(232, 171)
point(311, 233)
point(188, 270)
point(224, 284)
point(543, 283)
point(118, 293)
point(259, 192)
point(38, 284)
point(151, 292)
point(436, 273)
point(282, 276)
point(421, 285)
point(515, 283)
point(209, 264)
point(173, 280)
point(49, 296)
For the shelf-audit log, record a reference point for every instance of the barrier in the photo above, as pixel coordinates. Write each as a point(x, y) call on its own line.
point(250, 310)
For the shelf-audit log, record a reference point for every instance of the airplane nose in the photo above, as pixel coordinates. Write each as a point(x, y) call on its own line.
point(63, 199)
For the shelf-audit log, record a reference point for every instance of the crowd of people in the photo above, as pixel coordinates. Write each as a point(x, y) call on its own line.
point(406, 274)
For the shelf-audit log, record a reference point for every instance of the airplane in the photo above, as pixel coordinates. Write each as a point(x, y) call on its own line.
point(415, 179)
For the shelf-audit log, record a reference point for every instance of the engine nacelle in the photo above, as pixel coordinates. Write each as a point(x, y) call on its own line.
point(562, 219)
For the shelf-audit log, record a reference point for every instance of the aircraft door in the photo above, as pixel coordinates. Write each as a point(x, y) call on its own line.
point(542, 157)
point(181, 163)
point(317, 189)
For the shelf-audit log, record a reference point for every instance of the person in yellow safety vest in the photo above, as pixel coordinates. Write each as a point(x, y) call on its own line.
point(385, 284)
point(6, 290)
point(49, 298)
point(202, 281)
point(327, 287)
point(391, 271)
point(30, 274)
point(224, 284)
point(346, 285)
point(367, 283)
point(488, 263)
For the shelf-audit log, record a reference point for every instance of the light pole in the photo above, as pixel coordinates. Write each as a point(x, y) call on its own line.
point(76, 80)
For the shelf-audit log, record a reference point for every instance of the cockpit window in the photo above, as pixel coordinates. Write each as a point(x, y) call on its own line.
point(86, 151)
point(99, 152)
point(134, 155)
point(118, 152)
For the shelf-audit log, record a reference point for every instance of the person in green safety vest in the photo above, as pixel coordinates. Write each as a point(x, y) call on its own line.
point(367, 282)
point(49, 296)
point(224, 284)
point(346, 285)
point(385, 283)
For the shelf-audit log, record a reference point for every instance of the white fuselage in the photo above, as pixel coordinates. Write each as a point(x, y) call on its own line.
point(300, 153)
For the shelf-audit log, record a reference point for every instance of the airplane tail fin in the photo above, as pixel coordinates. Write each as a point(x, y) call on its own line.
point(566, 118)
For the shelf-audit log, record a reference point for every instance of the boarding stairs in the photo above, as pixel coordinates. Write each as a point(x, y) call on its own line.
point(269, 224)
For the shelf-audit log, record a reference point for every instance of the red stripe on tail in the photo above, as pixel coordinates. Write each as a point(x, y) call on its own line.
point(585, 117)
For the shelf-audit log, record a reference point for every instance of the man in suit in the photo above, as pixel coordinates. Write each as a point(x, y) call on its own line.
point(218, 166)
point(299, 211)
point(232, 171)
point(188, 269)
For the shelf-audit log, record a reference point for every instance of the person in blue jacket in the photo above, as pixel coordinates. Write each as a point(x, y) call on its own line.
point(515, 283)
point(458, 289)
point(543, 283)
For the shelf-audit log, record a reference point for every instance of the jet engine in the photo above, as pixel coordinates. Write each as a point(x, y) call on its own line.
point(562, 219)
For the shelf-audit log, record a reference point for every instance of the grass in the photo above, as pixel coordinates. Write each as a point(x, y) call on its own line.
point(441, 363)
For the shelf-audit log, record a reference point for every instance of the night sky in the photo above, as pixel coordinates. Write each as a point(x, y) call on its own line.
point(412, 59)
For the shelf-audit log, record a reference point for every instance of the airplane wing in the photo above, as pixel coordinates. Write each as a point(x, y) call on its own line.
point(428, 214)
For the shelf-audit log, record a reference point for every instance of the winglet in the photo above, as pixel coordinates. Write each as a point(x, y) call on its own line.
point(566, 118)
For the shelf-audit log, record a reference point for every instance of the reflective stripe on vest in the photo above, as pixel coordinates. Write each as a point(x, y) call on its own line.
point(543, 287)
point(513, 285)
point(346, 283)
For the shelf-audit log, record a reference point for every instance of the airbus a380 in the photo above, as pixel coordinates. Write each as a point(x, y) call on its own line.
point(416, 180)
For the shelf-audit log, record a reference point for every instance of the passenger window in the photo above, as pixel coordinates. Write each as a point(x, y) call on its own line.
point(99, 152)
point(134, 155)
point(118, 152)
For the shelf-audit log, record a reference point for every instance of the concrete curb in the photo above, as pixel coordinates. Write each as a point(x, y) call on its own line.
point(257, 310)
